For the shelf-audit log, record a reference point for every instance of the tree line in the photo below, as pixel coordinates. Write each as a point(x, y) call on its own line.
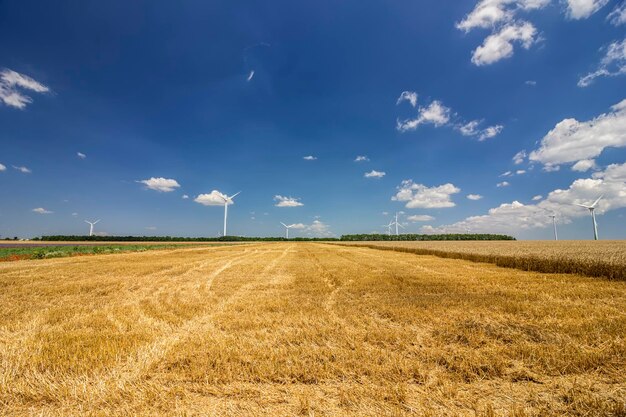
point(356, 237)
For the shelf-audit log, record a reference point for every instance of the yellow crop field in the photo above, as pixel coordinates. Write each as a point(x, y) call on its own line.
point(308, 329)
point(604, 258)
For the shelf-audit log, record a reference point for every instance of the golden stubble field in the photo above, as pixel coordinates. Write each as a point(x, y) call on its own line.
point(310, 329)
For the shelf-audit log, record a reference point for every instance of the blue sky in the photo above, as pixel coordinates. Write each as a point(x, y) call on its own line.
point(438, 96)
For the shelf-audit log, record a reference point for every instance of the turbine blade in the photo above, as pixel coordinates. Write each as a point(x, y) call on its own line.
point(284, 224)
point(400, 225)
point(234, 195)
point(96, 221)
point(582, 205)
point(596, 202)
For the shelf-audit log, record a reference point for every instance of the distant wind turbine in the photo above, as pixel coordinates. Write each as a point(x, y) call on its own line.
point(397, 224)
point(388, 226)
point(592, 209)
point(287, 229)
point(91, 224)
point(227, 200)
point(552, 215)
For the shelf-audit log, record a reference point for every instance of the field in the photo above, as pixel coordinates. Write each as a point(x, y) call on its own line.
point(603, 258)
point(310, 329)
point(21, 251)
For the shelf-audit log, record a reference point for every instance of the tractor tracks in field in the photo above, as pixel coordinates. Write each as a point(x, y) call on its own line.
point(148, 356)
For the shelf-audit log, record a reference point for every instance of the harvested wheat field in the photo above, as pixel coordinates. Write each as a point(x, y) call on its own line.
point(282, 329)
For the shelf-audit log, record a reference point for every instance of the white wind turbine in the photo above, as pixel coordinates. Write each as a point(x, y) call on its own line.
point(227, 200)
point(287, 229)
point(553, 216)
point(91, 224)
point(396, 223)
point(592, 209)
point(388, 226)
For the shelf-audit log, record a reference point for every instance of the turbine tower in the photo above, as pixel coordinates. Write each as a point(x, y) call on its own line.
point(592, 209)
point(91, 224)
point(553, 216)
point(227, 200)
point(397, 224)
point(287, 229)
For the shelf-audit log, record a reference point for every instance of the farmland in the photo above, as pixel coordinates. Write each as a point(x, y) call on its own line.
point(593, 258)
point(306, 329)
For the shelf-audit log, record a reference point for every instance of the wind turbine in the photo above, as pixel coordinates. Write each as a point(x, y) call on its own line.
point(388, 226)
point(592, 209)
point(396, 223)
point(227, 200)
point(91, 224)
point(552, 215)
point(287, 229)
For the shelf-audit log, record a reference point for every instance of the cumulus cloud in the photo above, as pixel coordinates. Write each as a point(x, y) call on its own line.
point(421, 196)
point(472, 129)
point(584, 165)
point(81, 155)
point(474, 197)
point(309, 158)
point(438, 115)
point(374, 174)
point(499, 45)
point(11, 84)
point(318, 229)
point(537, 197)
point(420, 218)
point(41, 210)
point(612, 64)
point(410, 96)
point(160, 184)
point(618, 15)
point(185, 197)
point(435, 113)
point(22, 169)
point(582, 9)
point(573, 141)
point(2, 168)
point(515, 217)
point(489, 13)
point(502, 184)
point(282, 201)
point(214, 198)
point(519, 157)
point(361, 158)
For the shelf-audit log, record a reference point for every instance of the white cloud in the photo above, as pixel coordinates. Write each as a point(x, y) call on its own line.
point(214, 198)
point(163, 185)
point(298, 226)
point(498, 46)
point(507, 174)
point(2, 168)
point(435, 113)
point(282, 201)
point(11, 82)
point(612, 64)
point(582, 9)
point(421, 196)
point(471, 129)
point(309, 158)
point(489, 13)
point(420, 218)
point(520, 172)
point(185, 197)
point(250, 76)
point(374, 174)
point(519, 157)
point(618, 15)
point(318, 229)
point(502, 184)
point(572, 141)
point(584, 165)
point(490, 132)
point(474, 197)
point(537, 197)
point(514, 217)
point(361, 158)
point(81, 155)
point(23, 170)
point(410, 96)
point(41, 210)
point(531, 83)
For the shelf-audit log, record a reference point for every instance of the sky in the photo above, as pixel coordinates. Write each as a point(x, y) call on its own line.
point(479, 116)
